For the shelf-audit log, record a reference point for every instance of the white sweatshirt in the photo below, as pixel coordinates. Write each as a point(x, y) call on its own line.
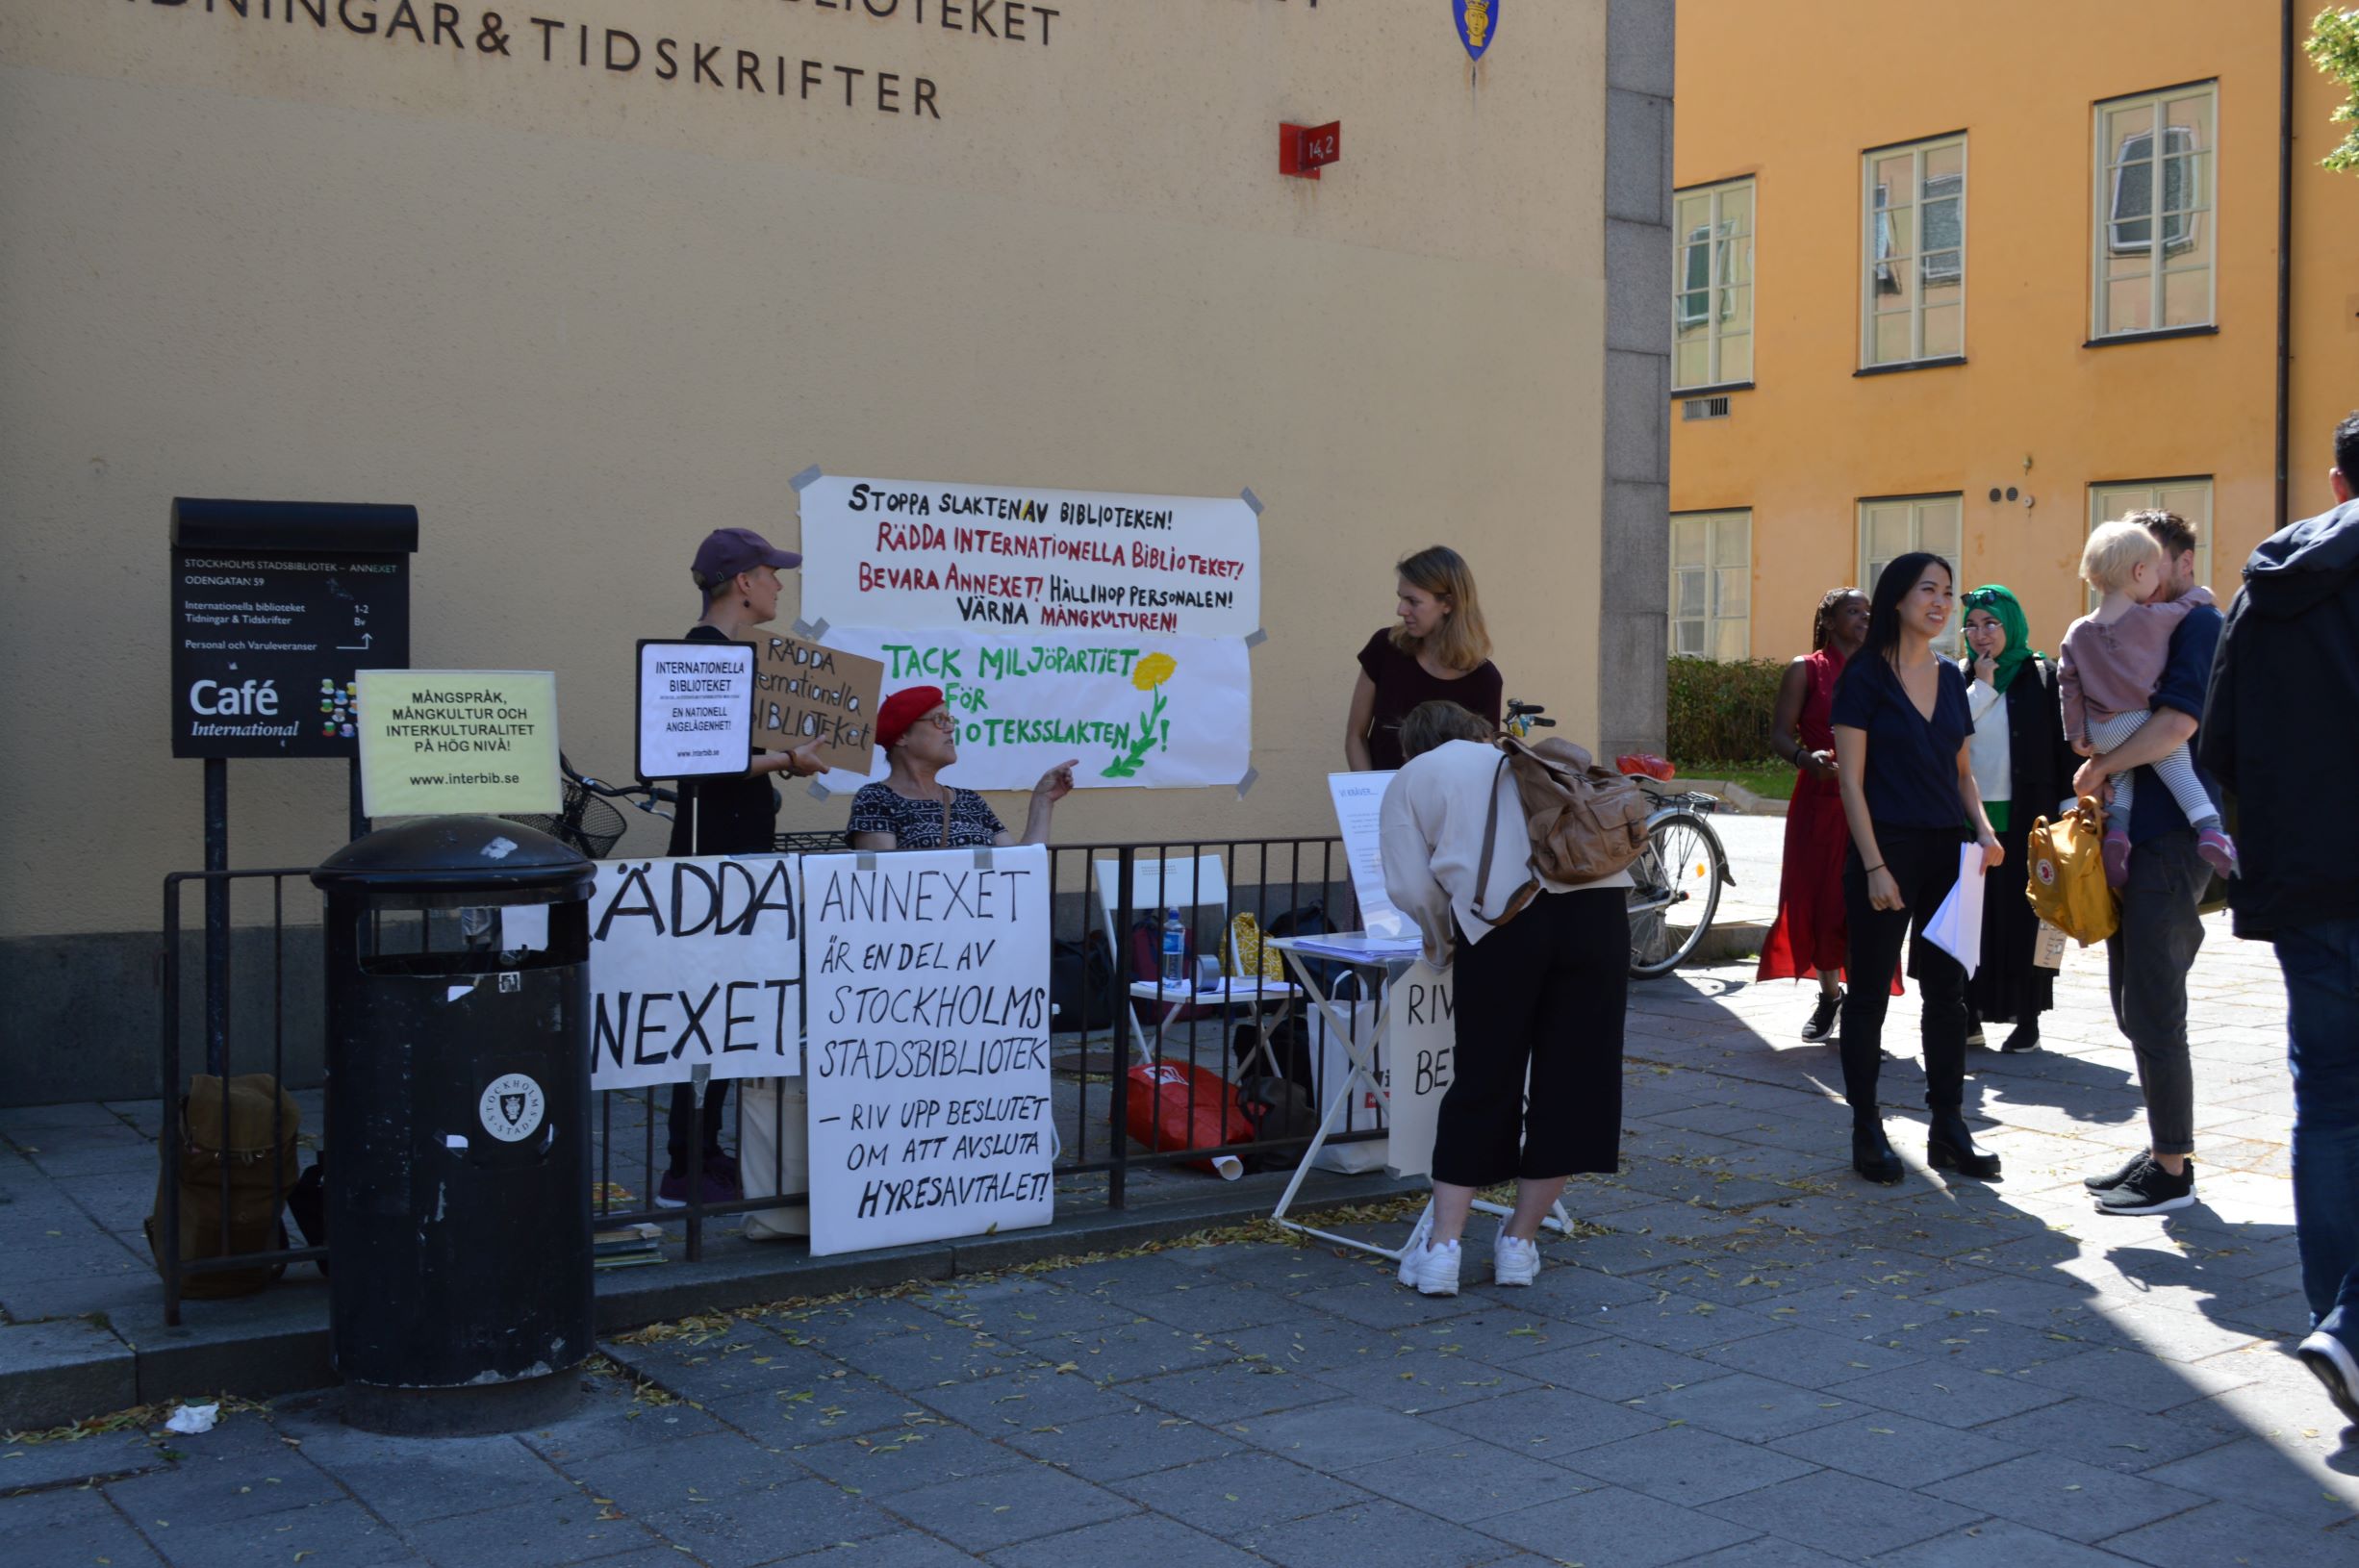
point(1431, 831)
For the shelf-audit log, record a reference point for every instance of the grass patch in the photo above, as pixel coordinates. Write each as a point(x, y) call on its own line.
point(1766, 776)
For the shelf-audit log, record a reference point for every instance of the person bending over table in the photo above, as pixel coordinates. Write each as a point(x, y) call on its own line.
point(1540, 988)
point(910, 808)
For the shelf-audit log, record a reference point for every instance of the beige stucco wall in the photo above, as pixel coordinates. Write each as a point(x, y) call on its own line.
point(579, 317)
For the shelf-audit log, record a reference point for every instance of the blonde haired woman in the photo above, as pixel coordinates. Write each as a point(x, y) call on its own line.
point(1438, 652)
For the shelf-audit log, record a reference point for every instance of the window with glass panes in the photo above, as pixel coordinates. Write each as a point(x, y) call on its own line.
point(1712, 287)
point(2154, 219)
point(1890, 527)
point(1912, 299)
point(1712, 584)
point(2189, 497)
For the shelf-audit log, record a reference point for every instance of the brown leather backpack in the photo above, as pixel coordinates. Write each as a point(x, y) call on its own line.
point(1584, 821)
point(244, 1129)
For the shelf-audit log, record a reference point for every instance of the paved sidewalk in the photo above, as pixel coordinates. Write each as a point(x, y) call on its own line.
point(1748, 1358)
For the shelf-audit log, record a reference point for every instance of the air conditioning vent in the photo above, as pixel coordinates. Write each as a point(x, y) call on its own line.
point(1704, 408)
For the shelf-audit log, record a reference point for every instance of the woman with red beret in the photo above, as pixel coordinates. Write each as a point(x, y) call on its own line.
point(910, 808)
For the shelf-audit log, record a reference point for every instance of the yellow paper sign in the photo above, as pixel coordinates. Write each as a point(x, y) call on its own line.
point(439, 742)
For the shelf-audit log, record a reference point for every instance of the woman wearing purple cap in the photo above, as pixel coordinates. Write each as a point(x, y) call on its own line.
point(737, 570)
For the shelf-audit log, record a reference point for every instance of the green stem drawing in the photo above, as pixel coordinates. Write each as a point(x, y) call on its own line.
point(1126, 763)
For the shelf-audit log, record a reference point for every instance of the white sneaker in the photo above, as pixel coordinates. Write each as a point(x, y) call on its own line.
point(1515, 1262)
point(1416, 1246)
point(1431, 1269)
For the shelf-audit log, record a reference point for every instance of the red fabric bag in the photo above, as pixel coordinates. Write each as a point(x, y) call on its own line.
point(1182, 1106)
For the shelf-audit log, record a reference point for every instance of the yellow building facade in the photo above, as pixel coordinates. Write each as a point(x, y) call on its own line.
point(1968, 280)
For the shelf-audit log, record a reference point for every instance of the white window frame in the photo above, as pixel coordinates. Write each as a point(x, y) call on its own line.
point(2105, 241)
point(1718, 288)
point(1950, 641)
point(2111, 498)
point(1872, 265)
point(1720, 528)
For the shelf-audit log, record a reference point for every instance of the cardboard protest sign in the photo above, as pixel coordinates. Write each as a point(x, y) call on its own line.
point(804, 691)
point(1161, 711)
point(693, 963)
point(928, 1056)
point(456, 742)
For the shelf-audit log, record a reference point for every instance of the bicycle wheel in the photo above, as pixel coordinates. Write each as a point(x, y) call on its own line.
point(1675, 893)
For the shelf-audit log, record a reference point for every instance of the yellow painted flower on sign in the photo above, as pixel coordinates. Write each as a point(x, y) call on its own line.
point(1153, 670)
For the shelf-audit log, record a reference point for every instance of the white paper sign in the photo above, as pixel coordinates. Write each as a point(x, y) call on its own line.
point(1359, 797)
point(928, 1061)
point(1956, 927)
point(693, 963)
point(696, 709)
point(1420, 1044)
point(913, 553)
point(1154, 711)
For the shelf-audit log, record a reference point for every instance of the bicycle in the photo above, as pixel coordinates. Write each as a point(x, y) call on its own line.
point(1676, 880)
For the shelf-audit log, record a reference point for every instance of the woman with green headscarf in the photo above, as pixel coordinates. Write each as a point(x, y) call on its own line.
point(2024, 768)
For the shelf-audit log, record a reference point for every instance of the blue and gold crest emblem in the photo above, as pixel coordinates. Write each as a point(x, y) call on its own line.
point(1478, 23)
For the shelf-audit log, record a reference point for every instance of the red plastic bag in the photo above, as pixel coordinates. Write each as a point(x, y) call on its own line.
point(1177, 1106)
point(1646, 763)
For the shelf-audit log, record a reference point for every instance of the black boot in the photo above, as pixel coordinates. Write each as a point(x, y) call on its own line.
point(1951, 1148)
point(1871, 1153)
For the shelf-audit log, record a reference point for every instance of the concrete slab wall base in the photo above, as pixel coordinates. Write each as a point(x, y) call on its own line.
point(276, 1343)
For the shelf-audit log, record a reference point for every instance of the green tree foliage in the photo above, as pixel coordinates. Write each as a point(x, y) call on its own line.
point(2334, 48)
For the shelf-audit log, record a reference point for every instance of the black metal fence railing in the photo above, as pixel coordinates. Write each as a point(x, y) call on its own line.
point(258, 1007)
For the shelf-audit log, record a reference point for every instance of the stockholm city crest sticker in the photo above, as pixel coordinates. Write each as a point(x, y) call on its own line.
point(511, 1108)
point(1478, 23)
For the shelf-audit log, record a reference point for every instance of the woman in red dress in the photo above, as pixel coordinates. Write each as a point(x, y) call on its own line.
point(1808, 937)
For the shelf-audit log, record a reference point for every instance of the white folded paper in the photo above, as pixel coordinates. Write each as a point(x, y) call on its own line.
point(1956, 927)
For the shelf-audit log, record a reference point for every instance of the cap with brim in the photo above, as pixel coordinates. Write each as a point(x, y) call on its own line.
point(727, 551)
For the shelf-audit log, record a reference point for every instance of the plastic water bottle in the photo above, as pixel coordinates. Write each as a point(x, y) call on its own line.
point(1175, 951)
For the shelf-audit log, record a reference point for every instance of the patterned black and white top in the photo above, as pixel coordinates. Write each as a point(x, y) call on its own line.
point(917, 824)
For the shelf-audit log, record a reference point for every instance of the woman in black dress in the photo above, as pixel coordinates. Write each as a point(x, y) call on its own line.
point(2023, 766)
point(1439, 653)
point(1901, 725)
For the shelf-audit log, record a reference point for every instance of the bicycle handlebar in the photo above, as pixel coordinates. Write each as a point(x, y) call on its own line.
point(631, 792)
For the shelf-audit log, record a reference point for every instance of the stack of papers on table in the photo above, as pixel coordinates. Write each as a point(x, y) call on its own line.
point(1359, 947)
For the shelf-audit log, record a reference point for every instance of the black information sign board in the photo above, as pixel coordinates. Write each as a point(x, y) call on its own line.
point(275, 606)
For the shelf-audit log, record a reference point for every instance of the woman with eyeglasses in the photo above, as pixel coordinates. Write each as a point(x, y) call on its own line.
point(2023, 766)
point(910, 808)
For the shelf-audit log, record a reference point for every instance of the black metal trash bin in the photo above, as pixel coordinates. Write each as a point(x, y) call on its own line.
point(458, 1116)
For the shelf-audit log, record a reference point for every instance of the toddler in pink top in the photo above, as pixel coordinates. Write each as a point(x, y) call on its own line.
point(2111, 661)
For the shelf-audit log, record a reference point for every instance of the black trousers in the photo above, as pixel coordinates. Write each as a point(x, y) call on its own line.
point(1543, 995)
point(1924, 861)
point(681, 1129)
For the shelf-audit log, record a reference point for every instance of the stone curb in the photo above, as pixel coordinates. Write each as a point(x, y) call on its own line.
point(58, 1372)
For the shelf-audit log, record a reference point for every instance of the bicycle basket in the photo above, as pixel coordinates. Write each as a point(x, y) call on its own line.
point(588, 823)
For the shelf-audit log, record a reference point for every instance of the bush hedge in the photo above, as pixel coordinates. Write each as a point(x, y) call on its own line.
point(1721, 712)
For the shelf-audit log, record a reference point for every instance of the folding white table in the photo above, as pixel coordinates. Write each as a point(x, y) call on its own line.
point(1382, 969)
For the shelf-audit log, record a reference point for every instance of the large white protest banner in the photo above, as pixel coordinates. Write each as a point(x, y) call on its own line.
point(1167, 712)
point(913, 553)
point(928, 1055)
point(693, 963)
